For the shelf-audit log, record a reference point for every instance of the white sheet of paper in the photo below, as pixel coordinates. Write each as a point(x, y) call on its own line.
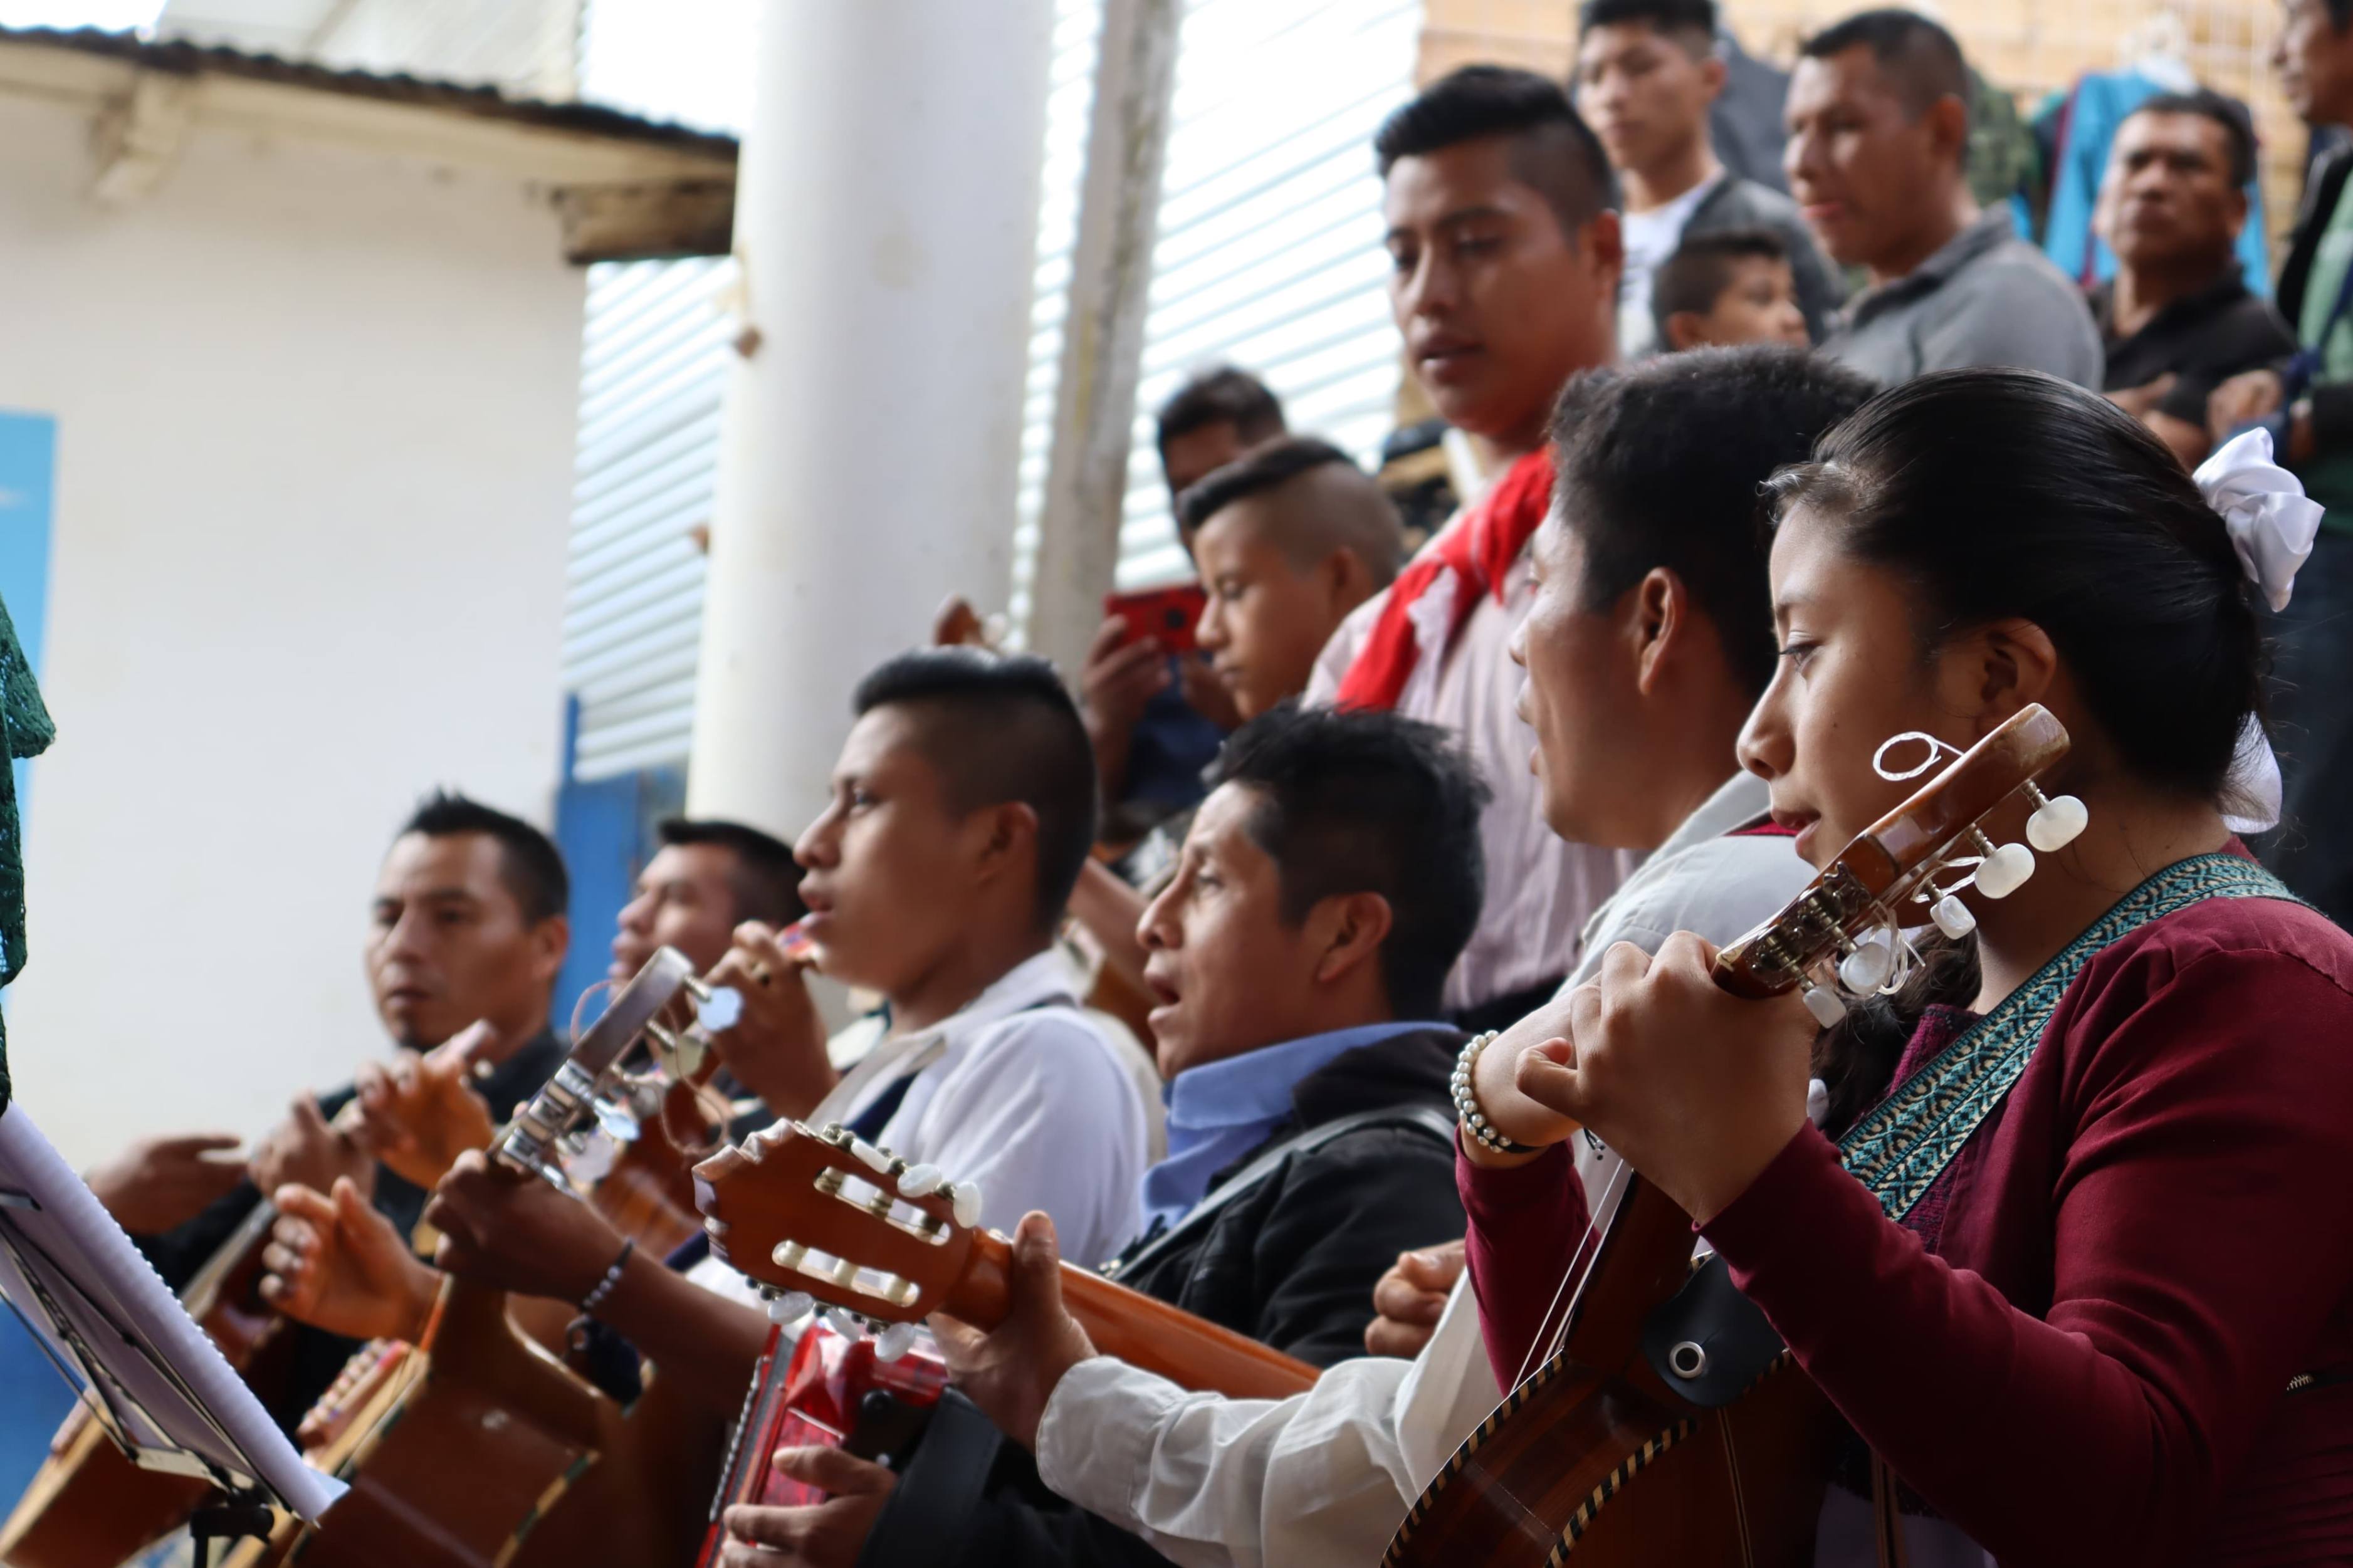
point(64, 1251)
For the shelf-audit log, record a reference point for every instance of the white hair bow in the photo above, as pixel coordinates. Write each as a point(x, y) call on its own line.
point(2271, 523)
point(2270, 520)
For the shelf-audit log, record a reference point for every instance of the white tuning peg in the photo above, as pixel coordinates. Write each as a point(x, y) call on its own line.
point(964, 1199)
point(894, 1342)
point(720, 1009)
point(1869, 964)
point(1952, 916)
point(790, 1307)
point(2056, 823)
point(1823, 1003)
point(919, 1181)
point(870, 1157)
point(2005, 870)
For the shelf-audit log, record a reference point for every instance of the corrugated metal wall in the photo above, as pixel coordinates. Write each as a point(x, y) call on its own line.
point(1269, 253)
point(653, 368)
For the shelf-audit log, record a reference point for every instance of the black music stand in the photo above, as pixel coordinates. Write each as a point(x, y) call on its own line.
point(152, 1379)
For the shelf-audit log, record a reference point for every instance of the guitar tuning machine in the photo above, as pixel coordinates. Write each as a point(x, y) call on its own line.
point(2056, 823)
point(2004, 869)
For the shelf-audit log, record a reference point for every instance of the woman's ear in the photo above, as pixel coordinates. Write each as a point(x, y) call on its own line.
point(1351, 928)
point(1992, 672)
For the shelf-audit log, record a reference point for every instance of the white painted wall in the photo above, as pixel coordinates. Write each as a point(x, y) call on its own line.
point(315, 413)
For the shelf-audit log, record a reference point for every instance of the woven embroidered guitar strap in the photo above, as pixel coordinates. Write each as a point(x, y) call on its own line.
point(1902, 1146)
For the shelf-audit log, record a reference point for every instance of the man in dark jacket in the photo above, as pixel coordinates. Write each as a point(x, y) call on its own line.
point(1326, 887)
point(1647, 73)
point(469, 925)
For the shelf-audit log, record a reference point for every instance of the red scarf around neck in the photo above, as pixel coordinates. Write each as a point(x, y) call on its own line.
point(1478, 547)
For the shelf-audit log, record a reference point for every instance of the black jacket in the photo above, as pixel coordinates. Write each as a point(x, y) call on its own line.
point(2332, 401)
point(1291, 1262)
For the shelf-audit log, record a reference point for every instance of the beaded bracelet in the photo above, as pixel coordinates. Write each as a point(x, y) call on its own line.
point(1466, 1101)
point(604, 1287)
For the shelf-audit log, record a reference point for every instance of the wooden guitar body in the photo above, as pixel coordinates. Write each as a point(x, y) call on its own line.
point(1594, 1461)
point(479, 1449)
point(90, 1506)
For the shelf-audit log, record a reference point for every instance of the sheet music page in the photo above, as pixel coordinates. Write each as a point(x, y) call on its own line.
point(64, 1254)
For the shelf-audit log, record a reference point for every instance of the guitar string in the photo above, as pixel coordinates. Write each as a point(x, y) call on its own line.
point(1548, 1340)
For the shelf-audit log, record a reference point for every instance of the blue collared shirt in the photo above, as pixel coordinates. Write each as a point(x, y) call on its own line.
point(1220, 1110)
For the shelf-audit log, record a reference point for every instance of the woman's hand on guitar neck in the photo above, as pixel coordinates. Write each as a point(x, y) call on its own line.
point(1012, 1373)
point(336, 1264)
point(1696, 1088)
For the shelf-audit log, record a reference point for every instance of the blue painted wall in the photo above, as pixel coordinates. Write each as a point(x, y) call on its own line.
point(606, 828)
point(33, 1398)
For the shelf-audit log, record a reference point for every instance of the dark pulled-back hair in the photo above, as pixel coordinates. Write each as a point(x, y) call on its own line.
point(2238, 128)
point(1264, 468)
point(1918, 57)
point(1001, 728)
point(1554, 151)
point(1695, 277)
point(1665, 463)
point(1693, 19)
point(2000, 493)
point(767, 879)
point(1220, 396)
point(529, 865)
point(1354, 801)
point(1355, 514)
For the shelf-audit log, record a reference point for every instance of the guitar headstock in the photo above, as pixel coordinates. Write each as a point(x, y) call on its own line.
point(827, 1214)
point(590, 1088)
point(1843, 933)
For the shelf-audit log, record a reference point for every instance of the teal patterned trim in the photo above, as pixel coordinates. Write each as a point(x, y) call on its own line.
point(1899, 1149)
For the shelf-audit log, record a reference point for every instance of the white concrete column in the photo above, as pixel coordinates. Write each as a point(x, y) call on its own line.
point(886, 225)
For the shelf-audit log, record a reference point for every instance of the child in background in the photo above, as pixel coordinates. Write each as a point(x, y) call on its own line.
point(1727, 288)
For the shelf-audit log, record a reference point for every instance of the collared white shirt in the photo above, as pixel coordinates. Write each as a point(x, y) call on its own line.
point(1017, 1091)
point(1541, 890)
point(1322, 1478)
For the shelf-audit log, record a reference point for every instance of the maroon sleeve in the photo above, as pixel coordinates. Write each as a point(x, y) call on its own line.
point(2203, 1226)
point(1525, 1223)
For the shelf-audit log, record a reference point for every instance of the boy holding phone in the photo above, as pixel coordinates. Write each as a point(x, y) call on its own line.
point(1155, 715)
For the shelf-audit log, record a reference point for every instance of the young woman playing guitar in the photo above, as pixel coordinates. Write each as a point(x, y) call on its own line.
point(2111, 1320)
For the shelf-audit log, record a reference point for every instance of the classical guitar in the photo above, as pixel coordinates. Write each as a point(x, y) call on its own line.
point(828, 1216)
point(478, 1447)
point(1668, 1425)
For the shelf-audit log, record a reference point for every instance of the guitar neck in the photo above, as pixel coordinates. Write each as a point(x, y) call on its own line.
point(1132, 1327)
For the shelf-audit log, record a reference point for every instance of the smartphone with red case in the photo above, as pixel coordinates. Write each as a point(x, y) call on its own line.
point(1169, 614)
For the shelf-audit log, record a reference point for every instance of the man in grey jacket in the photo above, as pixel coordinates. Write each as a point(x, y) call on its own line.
point(1879, 130)
point(1648, 71)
